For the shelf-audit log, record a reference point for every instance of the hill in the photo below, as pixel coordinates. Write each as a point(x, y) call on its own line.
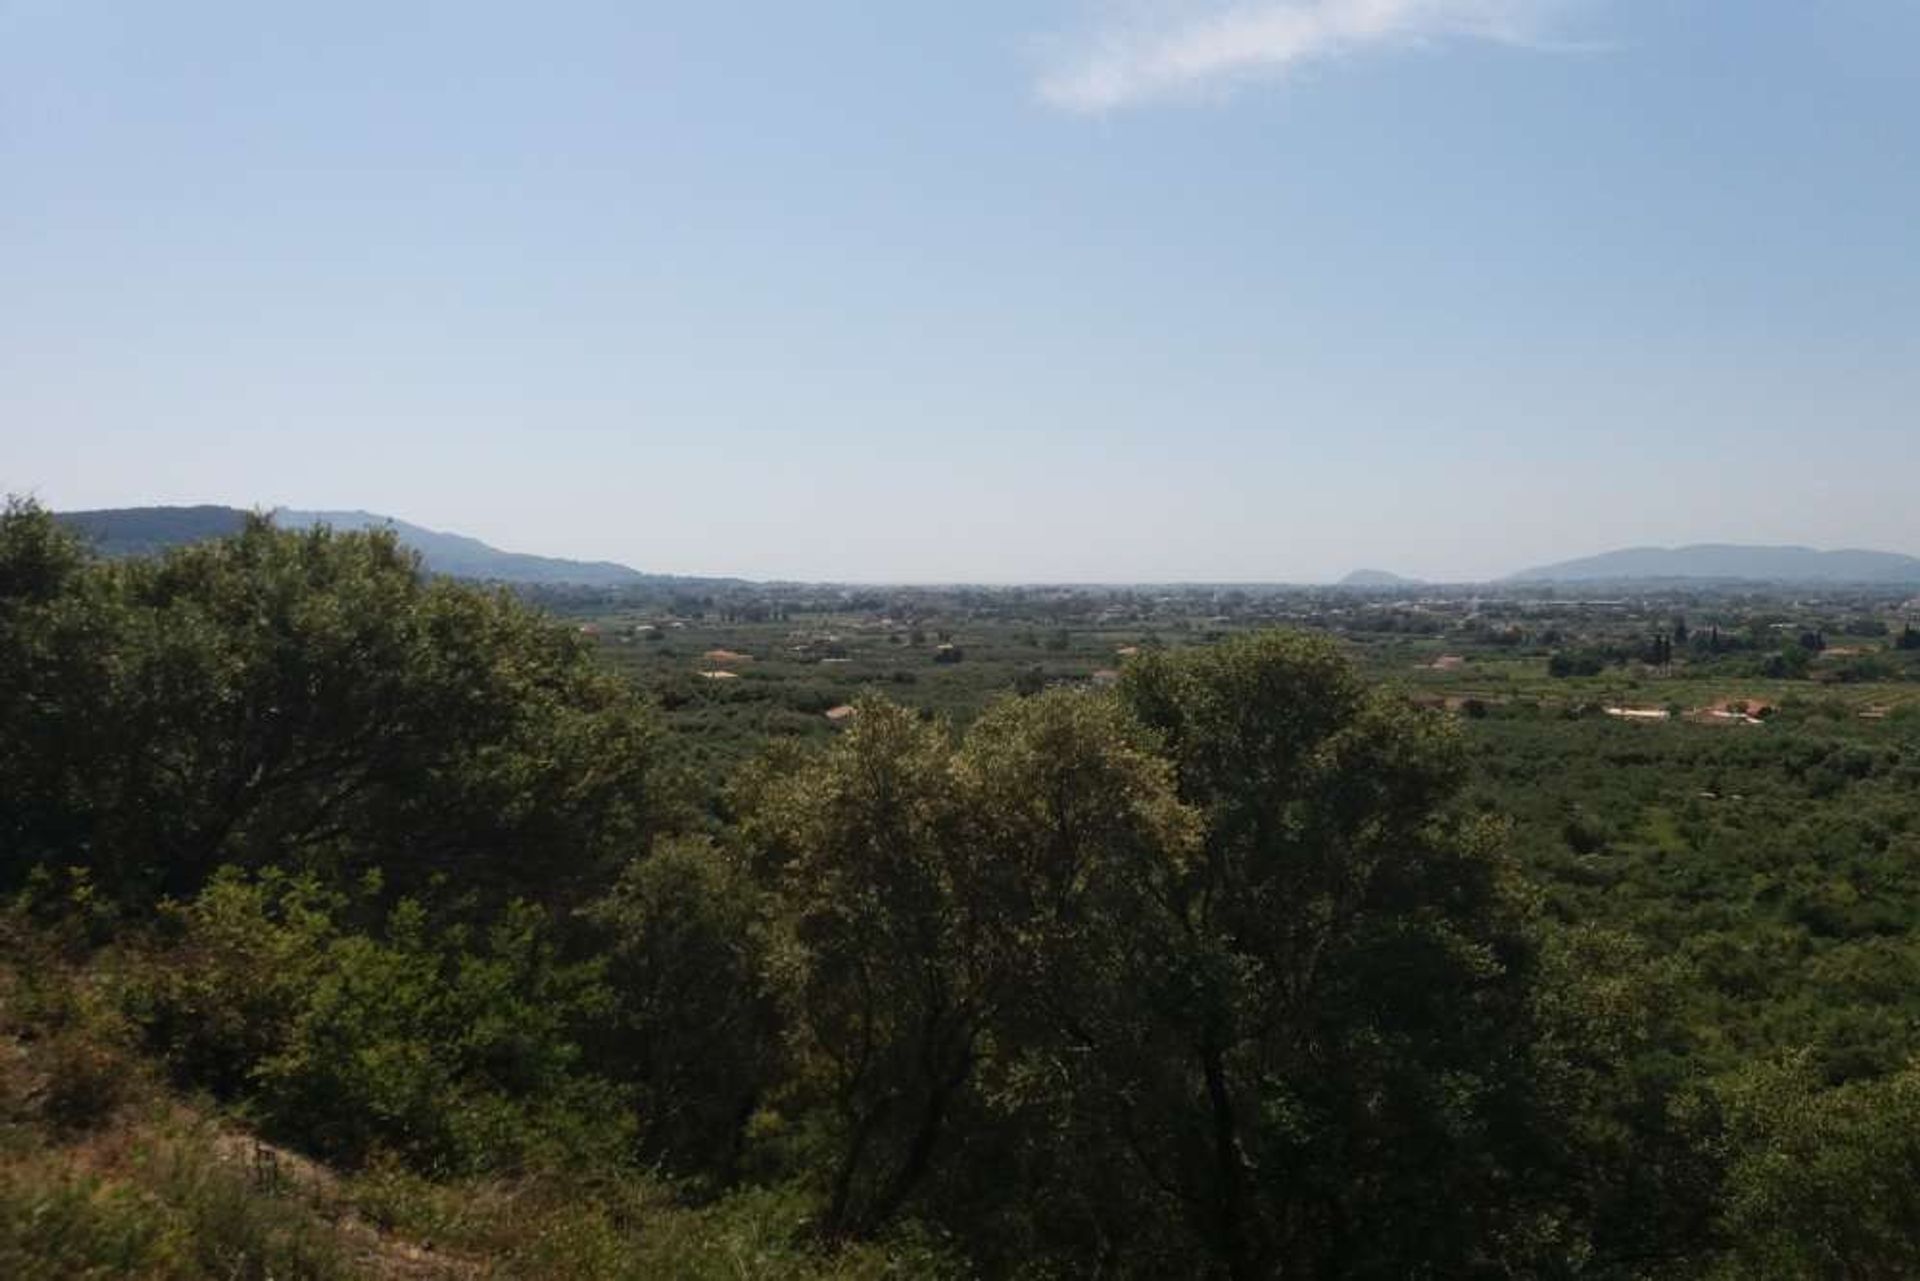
point(1376, 578)
point(1725, 562)
point(462, 557)
point(142, 531)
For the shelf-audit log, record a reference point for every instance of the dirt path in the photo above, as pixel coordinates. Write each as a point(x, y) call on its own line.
point(281, 1172)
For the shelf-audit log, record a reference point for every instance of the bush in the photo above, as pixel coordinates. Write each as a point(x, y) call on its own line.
point(690, 1026)
point(76, 1067)
point(454, 1047)
point(1563, 665)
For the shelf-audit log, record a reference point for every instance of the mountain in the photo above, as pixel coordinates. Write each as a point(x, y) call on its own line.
point(142, 531)
point(458, 556)
point(1376, 578)
point(1727, 562)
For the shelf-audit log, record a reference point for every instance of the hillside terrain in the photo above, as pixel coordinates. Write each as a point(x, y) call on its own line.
point(462, 557)
point(146, 531)
point(143, 531)
point(1729, 562)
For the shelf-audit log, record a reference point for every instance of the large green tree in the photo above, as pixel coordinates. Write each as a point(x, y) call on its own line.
point(1337, 1081)
point(939, 908)
point(303, 698)
point(1215, 970)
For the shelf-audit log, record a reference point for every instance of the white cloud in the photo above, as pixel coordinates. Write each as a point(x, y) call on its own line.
point(1199, 47)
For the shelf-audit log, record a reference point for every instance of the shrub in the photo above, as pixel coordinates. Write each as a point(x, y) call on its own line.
point(450, 1045)
point(75, 1068)
point(690, 1025)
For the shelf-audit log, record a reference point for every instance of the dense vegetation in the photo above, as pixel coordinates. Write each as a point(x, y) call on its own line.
point(1235, 961)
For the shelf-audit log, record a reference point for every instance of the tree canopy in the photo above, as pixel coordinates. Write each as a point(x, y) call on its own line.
point(310, 699)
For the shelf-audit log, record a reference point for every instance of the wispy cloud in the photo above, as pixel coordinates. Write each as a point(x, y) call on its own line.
point(1198, 48)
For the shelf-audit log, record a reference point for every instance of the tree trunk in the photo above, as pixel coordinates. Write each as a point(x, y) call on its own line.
point(1229, 1173)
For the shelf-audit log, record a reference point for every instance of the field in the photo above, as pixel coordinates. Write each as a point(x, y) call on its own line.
point(729, 674)
point(1757, 828)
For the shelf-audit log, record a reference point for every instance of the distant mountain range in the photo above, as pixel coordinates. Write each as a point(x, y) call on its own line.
point(142, 531)
point(1726, 562)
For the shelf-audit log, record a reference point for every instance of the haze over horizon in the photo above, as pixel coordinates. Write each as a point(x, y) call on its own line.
point(1061, 292)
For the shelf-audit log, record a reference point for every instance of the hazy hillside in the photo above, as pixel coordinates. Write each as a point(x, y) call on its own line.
point(464, 557)
point(140, 531)
point(1376, 578)
point(1724, 561)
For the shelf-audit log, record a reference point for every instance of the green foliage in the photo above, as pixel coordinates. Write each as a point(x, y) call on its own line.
point(239, 961)
point(55, 667)
point(183, 1216)
point(936, 906)
point(1268, 1016)
point(1824, 1183)
point(634, 1227)
point(301, 698)
point(1348, 1026)
point(454, 1048)
point(1778, 861)
point(72, 1066)
point(1639, 1138)
point(690, 1025)
point(872, 967)
point(1580, 664)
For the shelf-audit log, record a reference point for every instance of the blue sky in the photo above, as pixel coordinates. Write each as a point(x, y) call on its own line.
point(1168, 289)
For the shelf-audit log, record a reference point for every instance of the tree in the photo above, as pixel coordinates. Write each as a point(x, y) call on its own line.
point(1563, 664)
point(1822, 1183)
point(938, 910)
point(1790, 663)
point(56, 666)
point(883, 1011)
point(690, 1026)
point(1080, 838)
point(305, 698)
point(1343, 1030)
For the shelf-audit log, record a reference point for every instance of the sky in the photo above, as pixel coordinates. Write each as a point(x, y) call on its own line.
point(1048, 291)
